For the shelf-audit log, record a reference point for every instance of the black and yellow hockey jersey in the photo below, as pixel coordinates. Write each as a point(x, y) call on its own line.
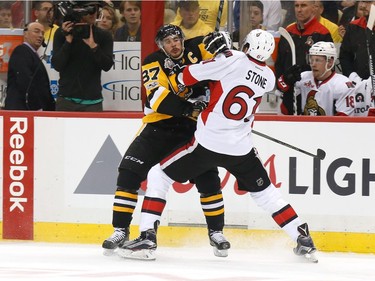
point(165, 97)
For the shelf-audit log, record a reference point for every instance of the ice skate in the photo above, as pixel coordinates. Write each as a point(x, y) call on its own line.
point(142, 248)
point(305, 245)
point(219, 243)
point(119, 236)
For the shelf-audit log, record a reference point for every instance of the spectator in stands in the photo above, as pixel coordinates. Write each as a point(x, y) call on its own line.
point(255, 17)
point(305, 32)
point(5, 15)
point(271, 14)
point(190, 23)
point(44, 14)
point(80, 54)
point(353, 51)
point(28, 83)
point(131, 30)
point(108, 20)
point(332, 27)
point(208, 12)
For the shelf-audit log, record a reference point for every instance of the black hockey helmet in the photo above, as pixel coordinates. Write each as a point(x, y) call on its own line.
point(168, 30)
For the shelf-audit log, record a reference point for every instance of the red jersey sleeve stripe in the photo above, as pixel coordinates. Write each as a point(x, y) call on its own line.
point(188, 78)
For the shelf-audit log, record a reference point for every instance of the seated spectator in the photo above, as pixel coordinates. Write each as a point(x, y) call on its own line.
point(131, 30)
point(6, 15)
point(190, 23)
point(108, 19)
point(256, 15)
point(255, 18)
point(208, 12)
point(272, 16)
point(332, 27)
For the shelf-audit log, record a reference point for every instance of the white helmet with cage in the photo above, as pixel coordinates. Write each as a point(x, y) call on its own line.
point(259, 44)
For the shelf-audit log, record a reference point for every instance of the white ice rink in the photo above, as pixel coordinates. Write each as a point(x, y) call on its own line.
point(47, 261)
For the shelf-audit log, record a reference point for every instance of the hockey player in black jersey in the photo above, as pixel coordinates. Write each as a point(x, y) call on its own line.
point(169, 121)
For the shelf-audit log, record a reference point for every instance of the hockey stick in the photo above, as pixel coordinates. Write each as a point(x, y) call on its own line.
point(219, 13)
point(290, 41)
point(284, 33)
point(320, 154)
point(370, 26)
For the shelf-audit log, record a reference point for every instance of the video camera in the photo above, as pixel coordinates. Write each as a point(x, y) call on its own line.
point(74, 10)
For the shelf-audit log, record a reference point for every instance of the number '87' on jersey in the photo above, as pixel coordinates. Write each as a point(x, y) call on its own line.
point(238, 84)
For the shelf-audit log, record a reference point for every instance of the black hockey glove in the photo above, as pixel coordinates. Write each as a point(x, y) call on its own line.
point(195, 108)
point(289, 78)
point(215, 43)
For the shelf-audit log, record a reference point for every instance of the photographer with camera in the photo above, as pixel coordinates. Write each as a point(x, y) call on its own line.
point(81, 51)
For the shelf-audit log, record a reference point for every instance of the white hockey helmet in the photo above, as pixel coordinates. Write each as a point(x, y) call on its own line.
point(259, 43)
point(322, 48)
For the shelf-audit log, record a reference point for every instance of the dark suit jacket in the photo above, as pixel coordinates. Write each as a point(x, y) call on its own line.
point(28, 86)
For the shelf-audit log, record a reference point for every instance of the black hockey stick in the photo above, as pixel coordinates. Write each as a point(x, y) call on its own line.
point(320, 154)
point(284, 33)
point(219, 13)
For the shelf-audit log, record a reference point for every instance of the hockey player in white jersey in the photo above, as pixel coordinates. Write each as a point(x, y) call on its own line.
point(322, 90)
point(364, 95)
point(223, 138)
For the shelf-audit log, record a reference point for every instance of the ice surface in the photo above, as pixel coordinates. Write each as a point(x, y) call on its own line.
point(52, 261)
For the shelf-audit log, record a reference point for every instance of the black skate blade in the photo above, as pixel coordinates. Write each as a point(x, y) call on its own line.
point(144, 254)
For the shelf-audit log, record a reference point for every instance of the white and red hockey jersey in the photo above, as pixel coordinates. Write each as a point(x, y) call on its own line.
point(238, 84)
point(364, 96)
point(333, 96)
